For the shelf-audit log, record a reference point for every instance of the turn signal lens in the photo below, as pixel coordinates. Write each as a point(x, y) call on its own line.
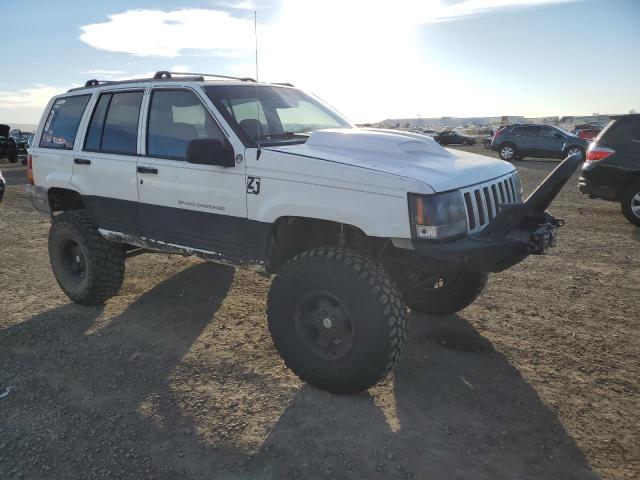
point(438, 217)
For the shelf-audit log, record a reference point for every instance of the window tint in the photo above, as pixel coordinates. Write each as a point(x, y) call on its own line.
point(94, 133)
point(621, 131)
point(120, 132)
point(548, 132)
point(61, 126)
point(529, 130)
point(175, 118)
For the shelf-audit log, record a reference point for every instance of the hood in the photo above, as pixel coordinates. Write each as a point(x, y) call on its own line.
point(404, 154)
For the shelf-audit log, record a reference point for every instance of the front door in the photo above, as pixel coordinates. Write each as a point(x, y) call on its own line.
point(197, 206)
point(552, 143)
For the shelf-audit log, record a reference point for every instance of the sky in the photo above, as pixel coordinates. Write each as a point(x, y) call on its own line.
point(370, 60)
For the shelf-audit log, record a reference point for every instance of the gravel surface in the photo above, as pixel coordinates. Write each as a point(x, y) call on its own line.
point(177, 377)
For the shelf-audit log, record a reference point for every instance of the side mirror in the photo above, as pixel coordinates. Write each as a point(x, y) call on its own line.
point(210, 151)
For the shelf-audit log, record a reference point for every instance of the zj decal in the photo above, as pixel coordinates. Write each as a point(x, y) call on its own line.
point(253, 185)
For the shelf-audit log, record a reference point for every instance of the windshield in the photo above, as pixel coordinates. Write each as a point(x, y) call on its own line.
point(279, 115)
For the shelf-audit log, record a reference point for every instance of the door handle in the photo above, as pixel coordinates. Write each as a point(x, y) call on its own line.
point(147, 170)
point(81, 161)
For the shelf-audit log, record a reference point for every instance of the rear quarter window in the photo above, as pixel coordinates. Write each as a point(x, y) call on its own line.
point(61, 127)
point(620, 131)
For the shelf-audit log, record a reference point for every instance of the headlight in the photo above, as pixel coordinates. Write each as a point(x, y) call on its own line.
point(438, 217)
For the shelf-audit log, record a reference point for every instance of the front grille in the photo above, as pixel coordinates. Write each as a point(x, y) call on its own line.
point(484, 199)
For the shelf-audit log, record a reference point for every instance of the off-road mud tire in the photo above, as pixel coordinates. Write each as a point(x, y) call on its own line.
point(103, 261)
point(462, 291)
point(374, 306)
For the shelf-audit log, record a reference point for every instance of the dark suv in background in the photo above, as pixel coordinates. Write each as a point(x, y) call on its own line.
point(612, 169)
point(449, 137)
point(514, 142)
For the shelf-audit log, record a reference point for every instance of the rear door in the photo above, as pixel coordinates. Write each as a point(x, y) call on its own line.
point(105, 166)
point(185, 204)
point(54, 152)
point(525, 137)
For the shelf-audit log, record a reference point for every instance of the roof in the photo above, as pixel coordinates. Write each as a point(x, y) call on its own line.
point(625, 115)
point(165, 76)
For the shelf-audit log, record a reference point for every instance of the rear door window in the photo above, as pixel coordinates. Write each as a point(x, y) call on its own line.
point(61, 126)
point(114, 124)
point(529, 131)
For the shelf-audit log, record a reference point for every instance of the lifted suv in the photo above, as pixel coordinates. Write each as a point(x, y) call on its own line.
point(514, 142)
point(356, 224)
point(612, 169)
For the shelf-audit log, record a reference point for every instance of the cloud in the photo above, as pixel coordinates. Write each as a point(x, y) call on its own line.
point(168, 33)
point(34, 97)
point(239, 5)
point(349, 52)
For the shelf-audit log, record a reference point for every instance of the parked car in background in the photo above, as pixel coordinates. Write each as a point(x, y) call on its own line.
point(588, 133)
point(2, 187)
point(429, 132)
point(612, 168)
point(449, 137)
point(8, 147)
point(515, 142)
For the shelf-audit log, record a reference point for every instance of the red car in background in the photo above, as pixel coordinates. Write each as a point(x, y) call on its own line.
point(588, 132)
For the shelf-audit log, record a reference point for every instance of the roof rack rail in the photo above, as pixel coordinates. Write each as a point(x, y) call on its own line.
point(164, 74)
point(286, 84)
point(159, 75)
point(93, 82)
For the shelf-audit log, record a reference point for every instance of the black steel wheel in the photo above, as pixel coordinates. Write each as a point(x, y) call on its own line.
point(88, 268)
point(336, 319)
point(324, 325)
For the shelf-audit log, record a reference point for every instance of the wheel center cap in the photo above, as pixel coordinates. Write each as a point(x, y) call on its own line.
point(327, 322)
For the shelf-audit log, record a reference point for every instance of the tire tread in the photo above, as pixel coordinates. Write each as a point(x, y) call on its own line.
point(107, 259)
point(370, 274)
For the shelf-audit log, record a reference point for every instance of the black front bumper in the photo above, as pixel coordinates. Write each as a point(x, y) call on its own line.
point(519, 230)
point(478, 254)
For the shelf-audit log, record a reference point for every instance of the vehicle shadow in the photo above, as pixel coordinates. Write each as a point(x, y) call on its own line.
point(100, 404)
point(456, 409)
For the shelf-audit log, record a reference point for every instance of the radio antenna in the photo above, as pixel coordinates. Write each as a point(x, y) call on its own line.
point(255, 32)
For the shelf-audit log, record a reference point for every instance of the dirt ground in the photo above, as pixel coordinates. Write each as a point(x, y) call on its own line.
point(177, 378)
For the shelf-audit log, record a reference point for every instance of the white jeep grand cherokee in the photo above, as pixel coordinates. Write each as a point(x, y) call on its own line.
point(355, 223)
